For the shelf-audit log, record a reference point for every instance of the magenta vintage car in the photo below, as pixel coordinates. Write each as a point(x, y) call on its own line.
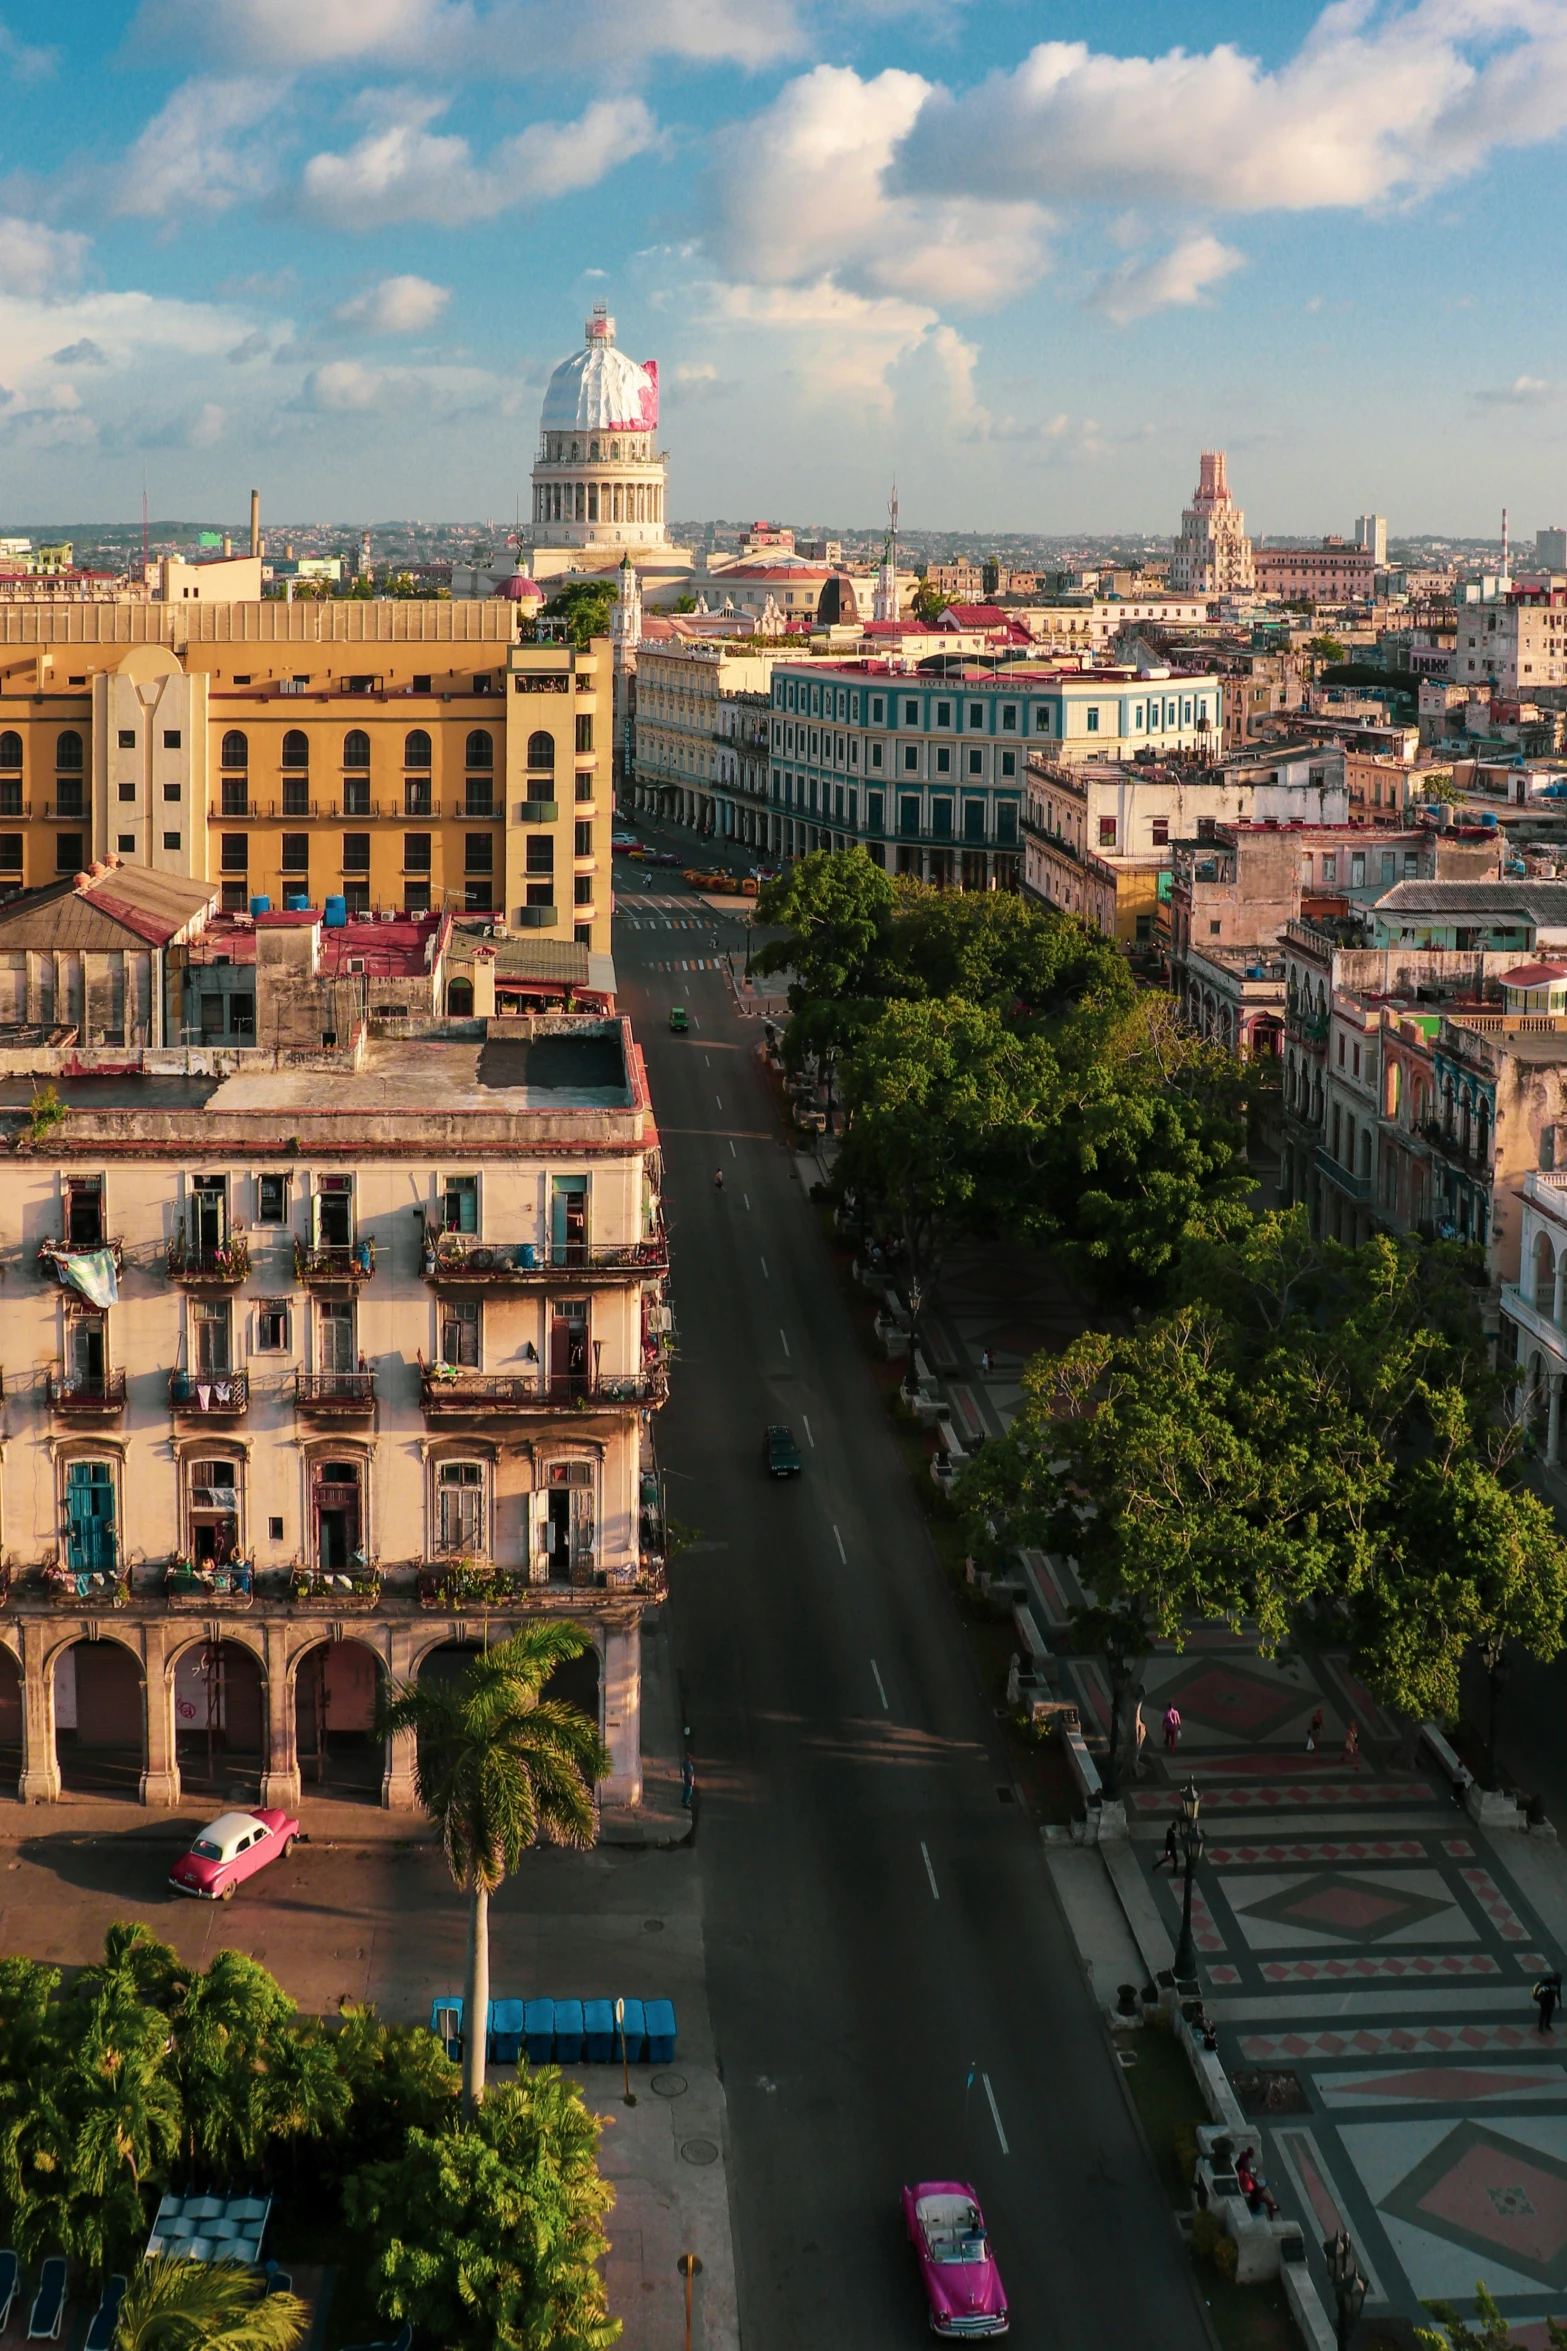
point(962, 2283)
point(230, 1849)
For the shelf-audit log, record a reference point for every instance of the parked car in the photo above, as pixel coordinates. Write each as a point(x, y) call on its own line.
point(230, 1849)
point(679, 1020)
point(780, 1452)
point(624, 841)
point(661, 857)
point(962, 2284)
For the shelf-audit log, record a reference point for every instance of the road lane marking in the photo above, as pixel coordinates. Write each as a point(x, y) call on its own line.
point(842, 1554)
point(810, 1440)
point(734, 1154)
point(746, 1197)
point(995, 2114)
point(881, 1687)
point(766, 1276)
point(718, 1098)
point(935, 1890)
point(784, 1336)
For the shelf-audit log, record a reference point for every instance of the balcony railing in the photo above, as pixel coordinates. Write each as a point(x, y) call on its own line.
point(462, 1260)
point(354, 1262)
point(334, 1395)
point(53, 1255)
point(210, 1395)
point(1357, 1187)
point(222, 1268)
point(449, 1393)
point(85, 1395)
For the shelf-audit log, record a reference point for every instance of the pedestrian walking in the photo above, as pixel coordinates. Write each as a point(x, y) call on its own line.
point(1139, 1741)
point(1172, 1849)
point(1314, 1732)
point(1172, 1728)
point(984, 1362)
point(1352, 1746)
point(1547, 1998)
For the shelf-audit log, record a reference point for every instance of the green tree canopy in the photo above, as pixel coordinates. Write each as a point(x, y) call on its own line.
point(205, 2306)
point(585, 607)
point(488, 2237)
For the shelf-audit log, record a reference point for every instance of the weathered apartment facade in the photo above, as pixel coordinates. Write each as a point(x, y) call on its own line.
point(397, 756)
point(324, 1364)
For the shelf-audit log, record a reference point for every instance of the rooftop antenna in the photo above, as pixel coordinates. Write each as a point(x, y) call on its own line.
point(146, 547)
point(1505, 573)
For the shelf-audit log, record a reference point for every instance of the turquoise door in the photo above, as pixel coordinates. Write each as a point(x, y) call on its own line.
point(89, 1517)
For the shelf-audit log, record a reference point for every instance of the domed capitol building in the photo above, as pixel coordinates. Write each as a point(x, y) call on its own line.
point(599, 478)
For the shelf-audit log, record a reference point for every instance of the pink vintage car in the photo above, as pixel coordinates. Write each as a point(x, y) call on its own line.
point(962, 2283)
point(231, 1848)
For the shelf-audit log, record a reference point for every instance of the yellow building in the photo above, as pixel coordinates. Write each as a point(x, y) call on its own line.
point(395, 755)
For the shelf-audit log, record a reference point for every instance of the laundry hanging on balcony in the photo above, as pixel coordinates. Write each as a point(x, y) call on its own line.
point(91, 1271)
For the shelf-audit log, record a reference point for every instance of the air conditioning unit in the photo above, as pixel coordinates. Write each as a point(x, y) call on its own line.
point(356, 963)
point(499, 930)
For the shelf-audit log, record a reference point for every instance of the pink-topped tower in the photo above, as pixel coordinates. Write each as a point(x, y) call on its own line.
point(1213, 554)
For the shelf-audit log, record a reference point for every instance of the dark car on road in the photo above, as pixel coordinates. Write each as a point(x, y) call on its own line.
point(780, 1452)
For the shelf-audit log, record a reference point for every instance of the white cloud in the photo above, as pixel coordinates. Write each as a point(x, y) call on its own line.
point(27, 64)
point(342, 383)
point(1382, 100)
point(1181, 276)
point(84, 353)
point(188, 159)
point(397, 306)
point(38, 260)
point(348, 387)
point(828, 346)
point(402, 171)
point(1522, 392)
point(801, 189)
point(512, 37)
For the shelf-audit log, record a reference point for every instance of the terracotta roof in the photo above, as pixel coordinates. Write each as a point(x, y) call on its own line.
point(1534, 975)
point(96, 910)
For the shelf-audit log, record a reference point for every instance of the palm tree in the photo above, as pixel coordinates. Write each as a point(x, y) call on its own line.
point(499, 1766)
point(206, 2306)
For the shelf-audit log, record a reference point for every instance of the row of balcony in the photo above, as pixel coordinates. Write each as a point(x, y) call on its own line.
point(446, 1393)
point(450, 1261)
point(476, 810)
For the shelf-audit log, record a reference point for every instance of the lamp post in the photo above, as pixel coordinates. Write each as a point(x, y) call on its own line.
point(1349, 2287)
point(1191, 1841)
point(690, 2268)
point(625, 2064)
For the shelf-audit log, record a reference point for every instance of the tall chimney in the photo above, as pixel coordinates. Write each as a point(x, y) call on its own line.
point(255, 522)
point(1506, 574)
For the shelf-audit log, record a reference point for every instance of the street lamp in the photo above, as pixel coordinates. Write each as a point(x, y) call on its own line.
point(690, 2268)
point(1191, 1841)
point(625, 2067)
point(1349, 2287)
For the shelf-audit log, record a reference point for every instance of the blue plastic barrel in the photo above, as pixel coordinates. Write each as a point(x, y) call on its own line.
point(297, 904)
point(505, 2031)
point(261, 906)
point(598, 2027)
point(334, 913)
point(568, 2032)
point(446, 2024)
point(660, 2019)
point(538, 2030)
point(525, 1256)
point(635, 2029)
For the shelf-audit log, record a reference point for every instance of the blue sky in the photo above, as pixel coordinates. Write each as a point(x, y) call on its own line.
point(1034, 257)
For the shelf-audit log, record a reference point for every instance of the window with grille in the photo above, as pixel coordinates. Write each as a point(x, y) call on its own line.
point(460, 1506)
point(460, 1332)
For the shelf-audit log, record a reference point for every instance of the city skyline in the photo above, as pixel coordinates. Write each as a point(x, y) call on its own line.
point(1036, 263)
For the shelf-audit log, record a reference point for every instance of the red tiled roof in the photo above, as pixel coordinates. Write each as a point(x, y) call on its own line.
point(1534, 975)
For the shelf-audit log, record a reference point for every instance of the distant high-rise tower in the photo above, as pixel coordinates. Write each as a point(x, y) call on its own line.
point(884, 600)
point(1371, 533)
point(1550, 549)
point(1213, 554)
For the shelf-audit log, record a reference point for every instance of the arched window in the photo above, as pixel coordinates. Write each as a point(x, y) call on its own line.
point(416, 748)
point(593, 450)
point(296, 748)
point(356, 748)
point(459, 999)
point(68, 749)
point(575, 450)
point(236, 749)
point(541, 751)
point(10, 749)
point(481, 748)
point(614, 449)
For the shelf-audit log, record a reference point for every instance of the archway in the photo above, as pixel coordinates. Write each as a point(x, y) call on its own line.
point(220, 1718)
point(1544, 1292)
point(336, 1686)
point(99, 1719)
point(577, 1681)
point(10, 1719)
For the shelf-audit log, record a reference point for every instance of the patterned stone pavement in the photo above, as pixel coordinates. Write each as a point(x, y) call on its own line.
point(1367, 1955)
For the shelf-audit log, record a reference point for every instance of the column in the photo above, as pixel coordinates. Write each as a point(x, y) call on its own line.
point(280, 1778)
point(621, 1701)
point(40, 1780)
point(1556, 1289)
point(1553, 1421)
point(160, 1778)
point(397, 1781)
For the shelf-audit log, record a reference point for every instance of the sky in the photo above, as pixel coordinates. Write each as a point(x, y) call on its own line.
point(1031, 258)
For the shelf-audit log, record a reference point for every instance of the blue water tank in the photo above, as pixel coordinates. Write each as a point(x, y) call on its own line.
point(334, 913)
point(296, 905)
point(261, 906)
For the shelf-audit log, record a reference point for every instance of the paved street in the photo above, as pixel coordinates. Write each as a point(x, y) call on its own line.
point(877, 1914)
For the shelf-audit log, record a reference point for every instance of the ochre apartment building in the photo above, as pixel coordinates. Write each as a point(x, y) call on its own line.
point(399, 756)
